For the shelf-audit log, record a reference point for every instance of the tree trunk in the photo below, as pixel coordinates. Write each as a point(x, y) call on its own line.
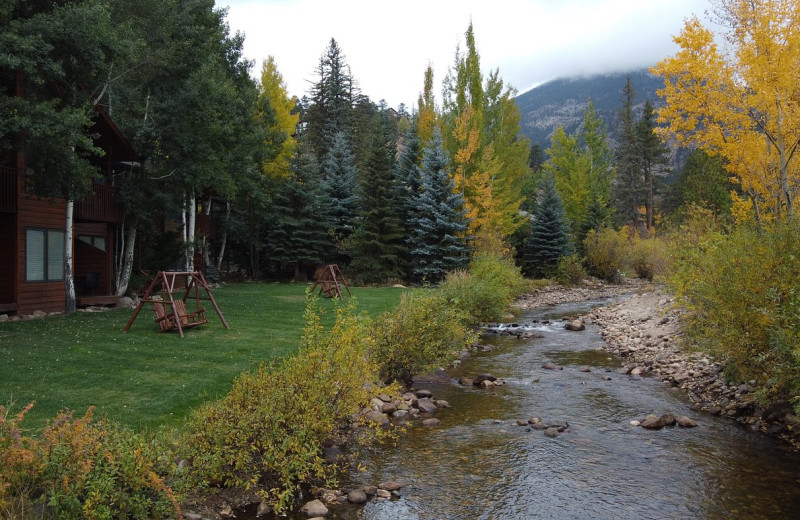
point(191, 217)
point(69, 280)
point(124, 273)
point(224, 236)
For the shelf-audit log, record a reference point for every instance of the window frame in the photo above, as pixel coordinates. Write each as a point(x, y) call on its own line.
point(46, 255)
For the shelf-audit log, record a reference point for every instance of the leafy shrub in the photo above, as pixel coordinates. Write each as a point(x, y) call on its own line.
point(485, 291)
point(570, 270)
point(270, 429)
point(648, 258)
point(741, 291)
point(606, 254)
point(82, 469)
point(423, 332)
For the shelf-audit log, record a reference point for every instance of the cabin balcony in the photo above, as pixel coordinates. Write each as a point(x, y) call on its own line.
point(8, 190)
point(100, 206)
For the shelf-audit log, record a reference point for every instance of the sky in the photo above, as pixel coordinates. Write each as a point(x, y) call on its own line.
point(388, 44)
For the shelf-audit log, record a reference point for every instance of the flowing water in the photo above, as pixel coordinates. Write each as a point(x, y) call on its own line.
point(479, 464)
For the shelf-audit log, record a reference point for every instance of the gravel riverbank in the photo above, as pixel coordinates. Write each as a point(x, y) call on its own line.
point(643, 327)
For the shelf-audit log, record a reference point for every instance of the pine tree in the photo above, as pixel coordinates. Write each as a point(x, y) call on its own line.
point(438, 244)
point(628, 190)
point(299, 232)
point(653, 157)
point(549, 237)
point(377, 245)
point(332, 100)
point(407, 184)
point(339, 187)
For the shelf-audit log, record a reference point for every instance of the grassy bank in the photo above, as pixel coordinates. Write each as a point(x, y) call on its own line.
point(143, 378)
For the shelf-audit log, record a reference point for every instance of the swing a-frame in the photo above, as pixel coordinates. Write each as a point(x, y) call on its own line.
point(330, 281)
point(171, 313)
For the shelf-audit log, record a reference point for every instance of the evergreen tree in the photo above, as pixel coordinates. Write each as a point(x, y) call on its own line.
point(377, 245)
point(407, 184)
point(298, 235)
point(703, 181)
point(628, 190)
point(652, 156)
point(439, 223)
point(549, 237)
point(339, 188)
point(332, 101)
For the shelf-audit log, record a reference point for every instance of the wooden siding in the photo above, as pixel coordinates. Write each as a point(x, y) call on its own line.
point(8, 190)
point(32, 296)
point(8, 253)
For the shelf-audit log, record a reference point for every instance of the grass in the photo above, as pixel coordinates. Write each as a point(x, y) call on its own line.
point(145, 379)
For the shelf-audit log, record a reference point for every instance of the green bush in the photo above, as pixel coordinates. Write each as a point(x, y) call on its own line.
point(649, 258)
point(485, 291)
point(607, 253)
point(422, 333)
point(269, 430)
point(741, 291)
point(569, 270)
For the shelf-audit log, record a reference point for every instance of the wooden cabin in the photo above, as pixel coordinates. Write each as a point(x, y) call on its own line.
point(32, 231)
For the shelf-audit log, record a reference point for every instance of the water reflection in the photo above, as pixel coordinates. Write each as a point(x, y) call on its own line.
point(479, 464)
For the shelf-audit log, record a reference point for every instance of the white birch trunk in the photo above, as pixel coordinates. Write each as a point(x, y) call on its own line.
point(224, 235)
point(69, 280)
point(124, 273)
point(191, 216)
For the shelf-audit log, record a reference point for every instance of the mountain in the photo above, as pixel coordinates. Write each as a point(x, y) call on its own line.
point(561, 103)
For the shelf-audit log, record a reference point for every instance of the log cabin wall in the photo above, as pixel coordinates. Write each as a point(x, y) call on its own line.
point(43, 213)
point(8, 266)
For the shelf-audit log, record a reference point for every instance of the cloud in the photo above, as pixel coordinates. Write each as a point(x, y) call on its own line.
point(388, 44)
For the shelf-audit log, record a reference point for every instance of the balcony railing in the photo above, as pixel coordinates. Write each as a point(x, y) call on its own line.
point(101, 205)
point(8, 190)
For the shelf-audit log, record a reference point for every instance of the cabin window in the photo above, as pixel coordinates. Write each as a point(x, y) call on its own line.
point(96, 241)
point(44, 255)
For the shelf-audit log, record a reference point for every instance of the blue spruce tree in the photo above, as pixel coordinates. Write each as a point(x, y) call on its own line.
point(548, 240)
point(439, 222)
point(339, 187)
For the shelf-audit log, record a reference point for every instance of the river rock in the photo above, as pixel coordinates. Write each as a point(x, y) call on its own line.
point(314, 508)
point(226, 511)
point(484, 377)
point(669, 419)
point(391, 485)
point(382, 494)
point(685, 422)
point(441, 403)
point(426, 405)
point(431, 422)
point(487, 384)
point(585, 368)
point(377, 417)
point(263, 509)
point(652, 422)
point(399, 414)
point(551, 432)
point(423, 394)
point(575, 325)
point(357, 496)
point(389, 408)
point(549, 365)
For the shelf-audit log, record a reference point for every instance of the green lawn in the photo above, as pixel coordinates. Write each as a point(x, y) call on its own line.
point(145, 378)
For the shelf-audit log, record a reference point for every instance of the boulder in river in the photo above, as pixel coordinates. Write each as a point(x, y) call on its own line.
point(314, 508)
point(483, 377)
point(685, 422)
point(357, 496)
point(575, 325)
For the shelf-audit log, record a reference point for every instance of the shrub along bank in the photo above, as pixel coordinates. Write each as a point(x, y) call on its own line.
point(742, 294)
point(267, 433)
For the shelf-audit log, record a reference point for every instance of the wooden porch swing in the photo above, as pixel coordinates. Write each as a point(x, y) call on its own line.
point(178, 318)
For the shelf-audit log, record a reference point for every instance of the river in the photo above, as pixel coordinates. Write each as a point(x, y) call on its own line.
point(479, 464)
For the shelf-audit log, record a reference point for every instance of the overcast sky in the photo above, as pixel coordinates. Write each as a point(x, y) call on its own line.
point(389, 43)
